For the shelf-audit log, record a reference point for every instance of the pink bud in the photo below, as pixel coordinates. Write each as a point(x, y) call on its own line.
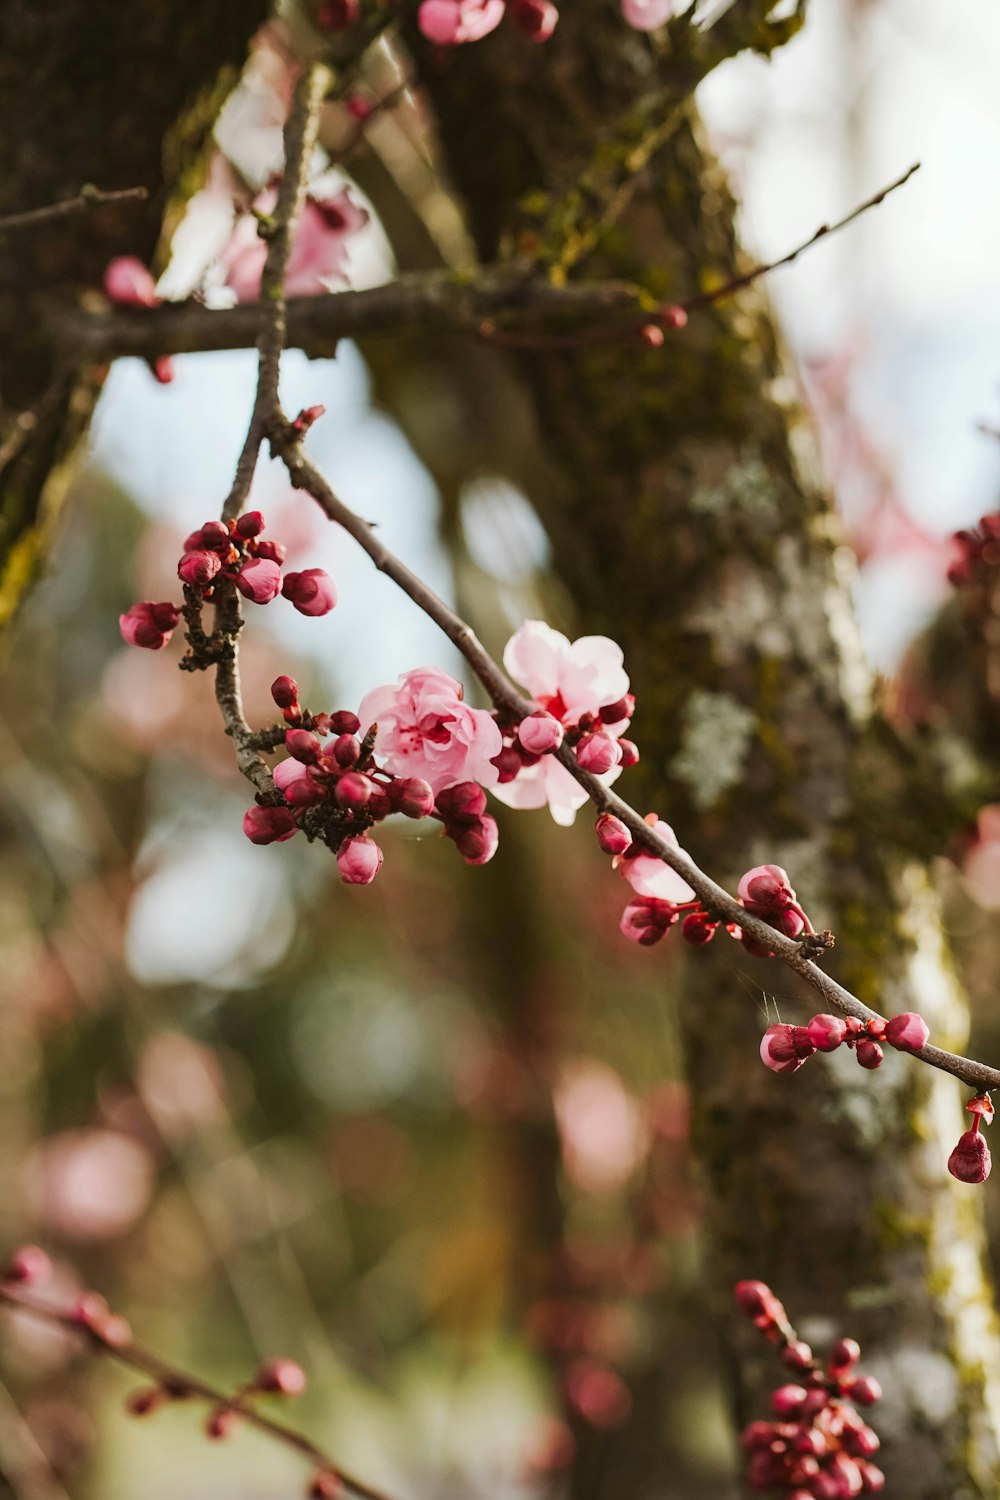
point(304, 745)
point(222, 1422)
point(476, 841)
point(346, 750)
point(149, 625)
point(463, 802)
point(536, 18)
point(411, 797)
point(509, 764)
point(129, 283)
point(326, 1486)
point(826, 1032)
point(198, 567)
point(844, 1354)
point(872, 1478)
point(782, 1051)
point(698, 928)
point(863, 1441)
point(540, 732)
point(869, 1053)
point(797, 1355)
point(766, 887)
point(440, 21)
point(866, 1391)
point(285, 692)
point(28, 1266)
point(971, 1161)
point(597, 753)
point(622, 708)
point(612, 834)
point(259, 580)
point(787, 1400)
point(646, 919)
point(909, 1032)
point(269, 825)
point(755, 1299)
point(673, 317)
point(629, 754)
point(353, 791)
point(756, 1435)
point(275, 552)
point(359, 860)
point(250, 525)
point(310, 414)
point(647, 15)
point(283, 1376)
point(312, 592)
point(141, 1402)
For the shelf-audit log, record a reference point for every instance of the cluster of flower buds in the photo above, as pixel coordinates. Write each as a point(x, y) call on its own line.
point(818, 1447)
point(450, 23)
point(971, 1161)
point(979, 551)
point(30, 1267)
point(596, 737)
point(784, 1048)
point(276, 1377)
point(332, 787)
point(765, 892)
point(236, 553)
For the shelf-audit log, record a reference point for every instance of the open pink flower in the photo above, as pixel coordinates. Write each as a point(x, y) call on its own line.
point(425, 730)
point(649, 876)
point(570, 680)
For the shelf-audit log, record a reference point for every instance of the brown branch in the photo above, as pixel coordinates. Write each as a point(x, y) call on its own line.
point(304, 475)
point(88, 197)
point(180, 1385)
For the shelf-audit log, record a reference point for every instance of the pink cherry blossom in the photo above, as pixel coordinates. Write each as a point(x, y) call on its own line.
point(647, 15)
point(425, 730)
point(649, 876)
point(129, 283)
point(313, 591)
point(570, 680)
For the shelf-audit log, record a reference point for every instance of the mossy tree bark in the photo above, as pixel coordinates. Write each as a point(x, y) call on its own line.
point(91, 91)
point(683, 525)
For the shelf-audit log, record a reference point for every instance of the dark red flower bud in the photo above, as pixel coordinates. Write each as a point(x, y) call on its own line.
point(353, 791)
point(411, 796)
point(303, 745)
point(699, 928)
point(536, 18)
point(866, 1391)
point(797, 1355)
point(346, 750)
point(869, 1053)
point(826, 1032)
point(198, 567)
point(476, 841)
point(844, 1354)
point(338, 15)
point(250, 525)
point(971, 1161)
point(464, 802)
point(275, 552)
point(285, 692)
point(787, 1400)
point(269, 825)
point(622, 708)
point(508, 763)
point(344, 722)
point(629, 753)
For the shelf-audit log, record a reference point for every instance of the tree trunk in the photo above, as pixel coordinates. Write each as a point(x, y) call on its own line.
point(684, 527)
point(119, 96)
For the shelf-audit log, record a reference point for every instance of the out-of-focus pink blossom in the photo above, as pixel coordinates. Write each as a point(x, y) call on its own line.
point(269, 825)
point(536, 18)
point(89, 1184)
point(600, 1125)
point(448, 23)
point(259, 580)
point(648, 875)
point(647, 15)
point(359, 860)
point(313, 591)
point(338, 15)
point(426, 730)
point(319, 255)
point(129, 283)
point(149, 625)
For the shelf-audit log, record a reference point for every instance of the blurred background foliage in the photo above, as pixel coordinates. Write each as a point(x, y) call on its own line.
point(428, 1138)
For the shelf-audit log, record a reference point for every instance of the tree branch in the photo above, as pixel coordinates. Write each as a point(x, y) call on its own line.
point(179, 1385)
point(88, 197)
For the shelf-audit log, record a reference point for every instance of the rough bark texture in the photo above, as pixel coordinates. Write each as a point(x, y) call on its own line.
point(91, 91)
point(683, 525)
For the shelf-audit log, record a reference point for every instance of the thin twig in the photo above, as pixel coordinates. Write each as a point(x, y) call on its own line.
point(88, 197)
point(179, 1384)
